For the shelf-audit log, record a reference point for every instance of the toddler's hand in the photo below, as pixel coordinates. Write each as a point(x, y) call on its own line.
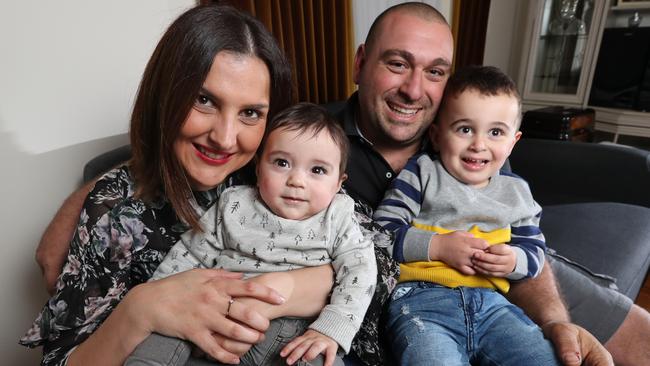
point(456, 249)
point(309, 346)
point(499, 260)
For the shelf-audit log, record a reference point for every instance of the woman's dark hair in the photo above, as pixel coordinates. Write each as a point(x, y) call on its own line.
point(171, 83)
point(310, 118)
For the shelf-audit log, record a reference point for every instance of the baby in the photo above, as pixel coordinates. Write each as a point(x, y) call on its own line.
point(294, 218)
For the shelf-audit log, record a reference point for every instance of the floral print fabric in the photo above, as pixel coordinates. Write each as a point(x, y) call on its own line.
point(118, 244)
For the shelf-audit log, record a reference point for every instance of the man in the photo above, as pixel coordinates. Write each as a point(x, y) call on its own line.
point(401, 71)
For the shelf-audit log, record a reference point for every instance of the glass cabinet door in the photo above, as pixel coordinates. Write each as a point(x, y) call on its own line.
point(562, 48)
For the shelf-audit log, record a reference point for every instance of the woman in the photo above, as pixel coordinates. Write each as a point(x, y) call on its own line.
point(212, 82)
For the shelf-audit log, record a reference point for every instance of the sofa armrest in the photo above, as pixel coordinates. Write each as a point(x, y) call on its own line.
point(561, 172)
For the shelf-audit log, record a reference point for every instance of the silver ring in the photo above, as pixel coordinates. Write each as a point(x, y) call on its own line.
point(230, 302)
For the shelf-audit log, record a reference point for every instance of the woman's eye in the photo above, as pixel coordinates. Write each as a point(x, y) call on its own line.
point(202, 99)
point(281, 163)
point(251, 113)
point(251, 116)
point(203, 103)
point(319, 170)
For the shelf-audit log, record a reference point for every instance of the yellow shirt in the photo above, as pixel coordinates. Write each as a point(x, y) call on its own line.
point(440, 273)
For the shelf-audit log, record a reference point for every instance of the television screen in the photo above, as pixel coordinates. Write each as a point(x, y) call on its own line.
point(622, 76)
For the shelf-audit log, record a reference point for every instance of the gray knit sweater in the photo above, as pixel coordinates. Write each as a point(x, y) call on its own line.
point(241, 234)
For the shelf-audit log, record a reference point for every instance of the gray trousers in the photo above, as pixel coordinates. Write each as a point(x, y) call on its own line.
point(592, 299)
point(159, 350)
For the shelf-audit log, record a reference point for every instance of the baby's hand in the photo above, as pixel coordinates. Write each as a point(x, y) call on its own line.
point(499, 260)
point(309, 346)
point(457, 249)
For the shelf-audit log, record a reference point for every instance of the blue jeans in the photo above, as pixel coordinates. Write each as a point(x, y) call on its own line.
point(429, 324)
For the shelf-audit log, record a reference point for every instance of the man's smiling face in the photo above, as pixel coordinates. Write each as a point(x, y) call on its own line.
point(401, 78)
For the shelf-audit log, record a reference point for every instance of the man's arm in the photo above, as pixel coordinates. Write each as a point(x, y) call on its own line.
point(55, 242)
point(541, 300)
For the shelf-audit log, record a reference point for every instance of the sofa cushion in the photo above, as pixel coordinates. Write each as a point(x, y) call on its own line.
point(608, 238)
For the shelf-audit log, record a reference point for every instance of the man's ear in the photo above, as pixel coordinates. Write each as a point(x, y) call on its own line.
point(359, 60)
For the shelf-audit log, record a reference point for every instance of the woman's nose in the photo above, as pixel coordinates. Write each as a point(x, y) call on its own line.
point(224, 133)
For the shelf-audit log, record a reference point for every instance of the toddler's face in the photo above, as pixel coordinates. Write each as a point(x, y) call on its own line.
point(298, 174)
point(475, 135)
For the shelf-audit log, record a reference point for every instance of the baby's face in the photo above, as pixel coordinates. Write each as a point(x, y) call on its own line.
point(475, 134)
point(298, 174)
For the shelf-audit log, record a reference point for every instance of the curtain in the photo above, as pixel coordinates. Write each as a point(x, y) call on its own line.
point(469, 29)
point(317, 37)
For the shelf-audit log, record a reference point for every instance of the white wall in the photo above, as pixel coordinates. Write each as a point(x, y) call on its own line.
point(502, 32)
point(365, 12)
point(68, 73)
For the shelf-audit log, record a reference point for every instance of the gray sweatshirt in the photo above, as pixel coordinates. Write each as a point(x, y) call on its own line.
point(241, 234)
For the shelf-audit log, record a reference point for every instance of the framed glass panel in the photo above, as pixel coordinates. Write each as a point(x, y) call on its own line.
point(560, 54)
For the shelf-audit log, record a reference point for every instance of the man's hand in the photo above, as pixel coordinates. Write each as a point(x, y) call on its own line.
point(309, 346)
point(55, 242)
point(575, 346)
point(456, 249)
point(498, 260)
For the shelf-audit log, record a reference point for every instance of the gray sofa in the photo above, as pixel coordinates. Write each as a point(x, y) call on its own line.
point(596, 204)
point(596, 201)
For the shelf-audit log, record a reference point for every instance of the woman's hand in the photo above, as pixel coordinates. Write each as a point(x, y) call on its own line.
point(306, 291)
point(194, 305)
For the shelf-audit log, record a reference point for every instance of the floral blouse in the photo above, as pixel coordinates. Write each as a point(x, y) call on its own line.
point(119, 243)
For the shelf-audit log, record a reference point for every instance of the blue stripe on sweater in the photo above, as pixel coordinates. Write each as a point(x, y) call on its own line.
point(528, 244)
point(408, 190)
point(413, 166)
point(398, 246)
point(394, 203)
point(525, 230)
point(390, 222)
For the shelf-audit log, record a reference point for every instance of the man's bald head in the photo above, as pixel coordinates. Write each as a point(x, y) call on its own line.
point(421, 10)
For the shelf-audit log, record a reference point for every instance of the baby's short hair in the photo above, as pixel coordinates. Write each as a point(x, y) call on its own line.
point(486, 80)
point(312, 118)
